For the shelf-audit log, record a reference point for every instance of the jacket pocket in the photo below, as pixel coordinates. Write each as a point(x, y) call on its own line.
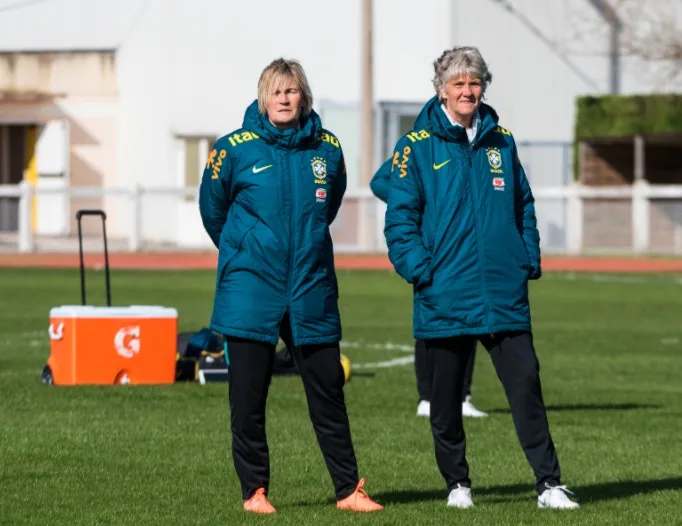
point(328, 268)
point(424, 307)
point(430, 234)
point(427, 241)
point(520, 253)
point(224, 259)
point(228, 253)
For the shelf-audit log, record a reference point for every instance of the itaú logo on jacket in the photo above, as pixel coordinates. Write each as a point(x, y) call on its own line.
point(498, 183)
point(127, 341)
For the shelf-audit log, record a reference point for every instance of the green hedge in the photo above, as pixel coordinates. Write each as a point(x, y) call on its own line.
point(624, 116)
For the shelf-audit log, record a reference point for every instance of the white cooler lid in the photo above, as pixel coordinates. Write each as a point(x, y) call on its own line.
point(133, 311)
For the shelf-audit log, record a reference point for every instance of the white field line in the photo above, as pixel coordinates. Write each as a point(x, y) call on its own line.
point(613, 278)
point(378, 346)
point(29, 338)
point(405, 360)
point(395, 362)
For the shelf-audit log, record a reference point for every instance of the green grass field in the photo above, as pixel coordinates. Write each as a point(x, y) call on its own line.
point(610, 350)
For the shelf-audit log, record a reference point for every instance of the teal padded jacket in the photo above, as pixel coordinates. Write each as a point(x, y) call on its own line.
point(460, 226)
point(267, 199)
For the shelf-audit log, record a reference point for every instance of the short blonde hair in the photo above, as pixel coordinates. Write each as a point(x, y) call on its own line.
point(465, 61)
point(274, 74)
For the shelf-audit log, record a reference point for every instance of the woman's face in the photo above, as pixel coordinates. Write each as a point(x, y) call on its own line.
point(284, 103)
point(462, 96)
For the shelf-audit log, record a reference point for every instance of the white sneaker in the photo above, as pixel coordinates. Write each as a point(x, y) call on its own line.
point(460, 497)
point(554, 497)
point(468, 409)
point(424, 408)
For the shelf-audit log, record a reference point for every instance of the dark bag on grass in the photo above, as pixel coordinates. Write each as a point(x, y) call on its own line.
point(201, 357)
point(199, 350)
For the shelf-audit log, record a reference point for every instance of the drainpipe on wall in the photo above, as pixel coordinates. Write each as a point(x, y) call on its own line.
point(366, 229)
point(609, 15)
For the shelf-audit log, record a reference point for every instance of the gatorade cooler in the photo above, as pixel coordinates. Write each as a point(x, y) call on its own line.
point(112, 345)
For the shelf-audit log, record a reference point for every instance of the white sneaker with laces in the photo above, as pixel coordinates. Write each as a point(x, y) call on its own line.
point(554, 497)
point(468, 409)
point(424, 408)
point(460, 497)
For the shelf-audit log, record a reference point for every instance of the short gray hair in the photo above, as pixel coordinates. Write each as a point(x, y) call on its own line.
point(461, 62)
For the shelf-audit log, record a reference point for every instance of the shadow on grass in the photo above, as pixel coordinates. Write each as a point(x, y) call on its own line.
point(626, 488)
point(585, 407)
point(589, 493)
point(405, 496)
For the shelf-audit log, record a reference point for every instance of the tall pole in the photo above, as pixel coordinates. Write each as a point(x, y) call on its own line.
point(365, 210)
point(610, 16)
point(614, 52)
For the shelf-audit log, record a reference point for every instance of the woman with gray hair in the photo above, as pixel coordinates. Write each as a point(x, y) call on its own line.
point(460, 226)
point(268, 195)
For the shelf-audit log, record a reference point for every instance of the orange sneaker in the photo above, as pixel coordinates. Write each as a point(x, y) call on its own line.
point(359, 501)
point(259, 503)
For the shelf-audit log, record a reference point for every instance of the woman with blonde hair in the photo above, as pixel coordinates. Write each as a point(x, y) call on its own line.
point(268, 196)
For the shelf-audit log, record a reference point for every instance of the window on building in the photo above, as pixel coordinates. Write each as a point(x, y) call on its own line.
point(192, 154)
point(392, 121)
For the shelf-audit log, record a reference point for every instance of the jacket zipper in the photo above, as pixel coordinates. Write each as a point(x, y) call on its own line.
point(292, 237)
point(474, 185)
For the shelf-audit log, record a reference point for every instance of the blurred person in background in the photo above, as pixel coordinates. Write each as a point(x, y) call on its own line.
point(380, 185)
point(268, 195)
point(461, 227)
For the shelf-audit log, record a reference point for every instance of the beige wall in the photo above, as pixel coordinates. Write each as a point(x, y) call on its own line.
point(78, 87)
point(70, 74)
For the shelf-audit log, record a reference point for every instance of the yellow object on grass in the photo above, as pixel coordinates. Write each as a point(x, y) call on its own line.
point(345, 363)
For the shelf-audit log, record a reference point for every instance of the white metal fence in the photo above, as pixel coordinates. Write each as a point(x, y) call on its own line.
point(572, 219)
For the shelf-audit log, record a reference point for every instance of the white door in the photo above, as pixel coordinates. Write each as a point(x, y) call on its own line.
point(191, 156)
point(52, 152)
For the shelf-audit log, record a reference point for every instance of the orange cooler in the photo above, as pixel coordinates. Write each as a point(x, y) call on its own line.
point(113, 345)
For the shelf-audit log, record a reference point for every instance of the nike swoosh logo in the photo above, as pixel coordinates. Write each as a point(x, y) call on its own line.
point(439, 166)
point(256, 170)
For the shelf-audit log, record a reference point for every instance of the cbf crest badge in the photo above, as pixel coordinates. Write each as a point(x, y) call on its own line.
point(319, 166)
point(495, 160)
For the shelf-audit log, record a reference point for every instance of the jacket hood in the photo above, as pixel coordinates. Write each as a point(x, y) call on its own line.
point(308, 130)
point(433, 118)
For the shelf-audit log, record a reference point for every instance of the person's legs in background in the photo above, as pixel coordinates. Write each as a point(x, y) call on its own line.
point(422, 370)
point(468, 408)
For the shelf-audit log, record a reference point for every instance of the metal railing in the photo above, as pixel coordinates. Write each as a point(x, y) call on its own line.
point(572, 219)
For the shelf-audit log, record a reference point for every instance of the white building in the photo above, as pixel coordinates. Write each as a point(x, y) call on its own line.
point(119, 94)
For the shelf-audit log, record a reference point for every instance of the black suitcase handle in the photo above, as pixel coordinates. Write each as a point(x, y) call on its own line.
point(79, 216)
